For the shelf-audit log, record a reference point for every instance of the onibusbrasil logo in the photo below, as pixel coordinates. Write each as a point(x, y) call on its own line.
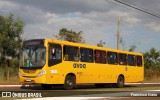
point(22, 94)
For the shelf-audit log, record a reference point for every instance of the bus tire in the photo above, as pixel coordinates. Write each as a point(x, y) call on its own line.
point(120, 82)
point(100, 85)
point(46, 86)
point(69, 83)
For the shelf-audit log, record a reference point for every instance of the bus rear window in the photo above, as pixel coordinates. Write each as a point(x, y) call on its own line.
point(139, 61)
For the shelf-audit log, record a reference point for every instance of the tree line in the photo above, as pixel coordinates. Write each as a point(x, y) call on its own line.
point(10, 38)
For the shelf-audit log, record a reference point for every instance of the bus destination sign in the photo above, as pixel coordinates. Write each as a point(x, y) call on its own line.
point(33, 42)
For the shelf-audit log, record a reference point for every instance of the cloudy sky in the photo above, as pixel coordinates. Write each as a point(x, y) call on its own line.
point(96, 18)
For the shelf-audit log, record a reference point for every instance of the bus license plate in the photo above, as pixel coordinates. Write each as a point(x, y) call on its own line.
point(28, 80)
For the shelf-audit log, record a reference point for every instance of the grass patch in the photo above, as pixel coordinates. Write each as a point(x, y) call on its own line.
point(152, 75)
point(6, 98)
point(11, 72)
point(154, 80)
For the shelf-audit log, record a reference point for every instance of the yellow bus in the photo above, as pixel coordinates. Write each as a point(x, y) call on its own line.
point(55, 62)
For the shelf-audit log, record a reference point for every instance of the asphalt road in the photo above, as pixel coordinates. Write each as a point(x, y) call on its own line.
point(91, 91)
point(79, 87)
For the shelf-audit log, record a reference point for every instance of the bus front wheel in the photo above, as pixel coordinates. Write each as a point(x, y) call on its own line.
point(69, 83)
point(120, 82)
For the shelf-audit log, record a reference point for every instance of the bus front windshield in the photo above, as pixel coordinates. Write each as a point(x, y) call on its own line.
point(33, 56)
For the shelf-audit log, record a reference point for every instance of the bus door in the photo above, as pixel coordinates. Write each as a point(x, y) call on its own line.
point(54, 59)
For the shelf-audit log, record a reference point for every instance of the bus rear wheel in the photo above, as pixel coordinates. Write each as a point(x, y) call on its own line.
point(46, 86)
point(120, 82)
point(69, 83)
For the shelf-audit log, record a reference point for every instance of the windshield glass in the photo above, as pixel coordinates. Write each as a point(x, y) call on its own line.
point(33, 56)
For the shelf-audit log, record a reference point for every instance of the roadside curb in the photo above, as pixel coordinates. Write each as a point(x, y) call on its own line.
point(10, 86)
point(20, 85)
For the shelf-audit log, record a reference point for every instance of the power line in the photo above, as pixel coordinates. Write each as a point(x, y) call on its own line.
point(115, 3)
point(144, 11)
point(131, 3)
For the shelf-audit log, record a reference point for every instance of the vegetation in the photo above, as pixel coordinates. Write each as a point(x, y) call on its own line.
point(101, 43)
point(131, 47)
point(152, 64)
point(70, 36)
point(152, 59)
point(10, 42)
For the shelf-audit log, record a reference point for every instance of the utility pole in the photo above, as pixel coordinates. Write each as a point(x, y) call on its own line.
point(118, 34)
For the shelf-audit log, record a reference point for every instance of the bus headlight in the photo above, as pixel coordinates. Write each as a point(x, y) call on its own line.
point(20, 74)
point(41, 73)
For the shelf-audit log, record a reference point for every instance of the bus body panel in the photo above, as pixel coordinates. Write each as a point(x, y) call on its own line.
point(85, 72)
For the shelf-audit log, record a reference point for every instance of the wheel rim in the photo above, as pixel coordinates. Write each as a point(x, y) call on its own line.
point(121, 80)
point(69, 83)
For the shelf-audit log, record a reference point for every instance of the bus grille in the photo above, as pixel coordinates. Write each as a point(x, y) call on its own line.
point(30, 76)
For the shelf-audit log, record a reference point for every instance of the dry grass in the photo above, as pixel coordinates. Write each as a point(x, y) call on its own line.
point(152, 75)
point(13, 74)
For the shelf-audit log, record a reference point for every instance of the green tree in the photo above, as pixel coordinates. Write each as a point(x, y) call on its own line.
point(152, 58)
point(70, 36)
point(10, 40)
point(101, 43)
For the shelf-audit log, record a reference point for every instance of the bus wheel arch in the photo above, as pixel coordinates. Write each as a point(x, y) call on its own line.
point(70, 81)
point(120, 81)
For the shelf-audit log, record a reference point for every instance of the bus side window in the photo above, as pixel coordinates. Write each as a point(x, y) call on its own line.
point(112, 57)
point(139, 61)
point(122, 59)
point(71, 53)
point(55, 54)
point(83, 54)
point(97, 56)
point(131, 60)
point(100, 56)
point(86, 55)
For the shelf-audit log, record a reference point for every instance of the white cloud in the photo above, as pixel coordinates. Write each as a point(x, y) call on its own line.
point(97, 19)
point(154, 26)
point(91, 23)
point(132, 20)
point(127, 17)
point(4, 4)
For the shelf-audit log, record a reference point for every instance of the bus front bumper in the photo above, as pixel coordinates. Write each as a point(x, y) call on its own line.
point(29, 80)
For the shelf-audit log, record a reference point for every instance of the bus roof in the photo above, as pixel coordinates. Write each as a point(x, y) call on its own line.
point(88, 46)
